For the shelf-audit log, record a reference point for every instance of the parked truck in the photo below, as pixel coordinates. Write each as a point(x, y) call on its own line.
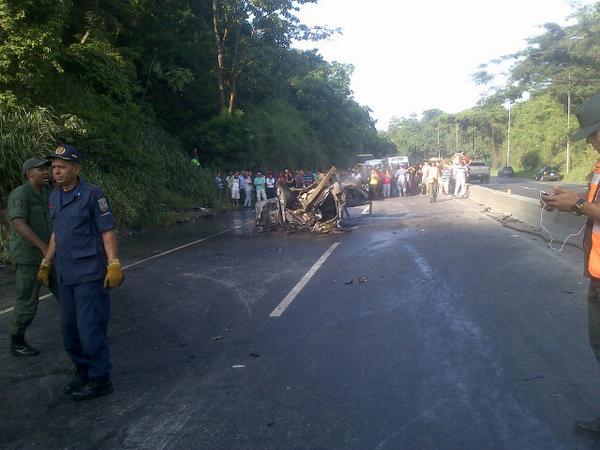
point(479, 171)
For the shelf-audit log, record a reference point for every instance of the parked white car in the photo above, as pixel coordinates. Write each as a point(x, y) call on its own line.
point(479, 171)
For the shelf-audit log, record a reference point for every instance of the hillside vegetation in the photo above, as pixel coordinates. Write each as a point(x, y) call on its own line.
point(136, 85)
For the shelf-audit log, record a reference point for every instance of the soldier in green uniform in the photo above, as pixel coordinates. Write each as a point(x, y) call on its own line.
point(30, 230)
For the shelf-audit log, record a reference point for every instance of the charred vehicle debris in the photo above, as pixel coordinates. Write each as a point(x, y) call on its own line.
point(317, 208)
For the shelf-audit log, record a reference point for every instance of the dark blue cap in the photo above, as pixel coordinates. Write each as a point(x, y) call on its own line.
point(67, 153)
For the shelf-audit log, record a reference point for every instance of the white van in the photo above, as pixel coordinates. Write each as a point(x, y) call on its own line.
point(396, 161)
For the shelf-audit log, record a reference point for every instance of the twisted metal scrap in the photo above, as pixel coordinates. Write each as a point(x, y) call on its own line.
point(309, 215)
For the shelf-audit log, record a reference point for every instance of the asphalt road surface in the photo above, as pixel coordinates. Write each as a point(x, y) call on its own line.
point(424, 326)
point(527, 187)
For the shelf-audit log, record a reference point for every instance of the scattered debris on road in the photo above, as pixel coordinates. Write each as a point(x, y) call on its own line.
point(362, 280)
point(238, 366)
point(539, 377)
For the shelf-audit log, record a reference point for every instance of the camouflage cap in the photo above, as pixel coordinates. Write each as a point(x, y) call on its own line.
point(33, 163)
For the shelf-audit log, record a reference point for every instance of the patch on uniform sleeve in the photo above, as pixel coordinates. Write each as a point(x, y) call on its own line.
point(18, 203)
point(103, 204)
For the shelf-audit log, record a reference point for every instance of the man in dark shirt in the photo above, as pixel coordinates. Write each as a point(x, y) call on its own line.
point(30, 230)
point(84, 247)
point(308, 177)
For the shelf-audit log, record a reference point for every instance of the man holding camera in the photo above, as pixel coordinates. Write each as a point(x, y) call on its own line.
point(587, 204)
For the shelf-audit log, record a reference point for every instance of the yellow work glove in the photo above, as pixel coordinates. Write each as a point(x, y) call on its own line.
point(114, 274)
point(43, 273)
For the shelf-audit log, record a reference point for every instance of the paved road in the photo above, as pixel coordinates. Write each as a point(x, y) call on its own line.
point(463, 335)
point(527, 187)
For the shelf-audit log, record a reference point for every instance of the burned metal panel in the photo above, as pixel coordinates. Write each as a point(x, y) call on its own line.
point(356, 195)
point(268, 214)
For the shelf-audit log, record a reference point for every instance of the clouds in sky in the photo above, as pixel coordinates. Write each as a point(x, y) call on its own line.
point(413, 56)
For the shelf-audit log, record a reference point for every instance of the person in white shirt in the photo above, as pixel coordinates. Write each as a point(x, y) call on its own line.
point(424, 173)
point(433, 174)
point(248, 188)
point(235, 189)
point(401, 181)
point(271, 185)
point(446, 175)
point(460, 177)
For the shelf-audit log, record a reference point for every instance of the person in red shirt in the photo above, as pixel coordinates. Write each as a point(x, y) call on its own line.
point(387, 183)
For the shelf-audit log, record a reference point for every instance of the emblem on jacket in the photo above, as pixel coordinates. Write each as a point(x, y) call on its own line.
point(103, 204)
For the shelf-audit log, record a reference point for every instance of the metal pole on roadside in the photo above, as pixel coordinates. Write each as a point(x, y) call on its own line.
point(568, 125)
point(456, 131)
point(508, 140)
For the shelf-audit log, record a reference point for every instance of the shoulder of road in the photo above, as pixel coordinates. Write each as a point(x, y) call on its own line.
point(516, 202)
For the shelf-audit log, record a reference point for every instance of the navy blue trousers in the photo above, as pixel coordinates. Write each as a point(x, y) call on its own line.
point(84, 314)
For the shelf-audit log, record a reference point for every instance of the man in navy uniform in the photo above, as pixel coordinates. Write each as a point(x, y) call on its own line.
point(84, 247)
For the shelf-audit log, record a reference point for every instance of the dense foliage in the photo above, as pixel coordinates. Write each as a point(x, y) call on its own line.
point(137, 84)
point(560, 63)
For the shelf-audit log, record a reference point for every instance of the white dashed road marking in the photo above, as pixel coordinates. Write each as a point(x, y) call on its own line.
point(287, 301)
point(158, 255)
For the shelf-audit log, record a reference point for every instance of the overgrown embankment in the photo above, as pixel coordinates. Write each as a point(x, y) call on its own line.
point(135, 86)
point(145, 175)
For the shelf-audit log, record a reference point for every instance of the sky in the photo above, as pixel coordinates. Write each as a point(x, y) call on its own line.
point(411, 56)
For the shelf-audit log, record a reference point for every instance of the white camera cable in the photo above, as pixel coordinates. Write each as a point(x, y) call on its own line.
point(560, 249)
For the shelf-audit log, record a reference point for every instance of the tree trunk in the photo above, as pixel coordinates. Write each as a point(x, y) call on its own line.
point(216, 4)
point(234, 69)
point(143, 99)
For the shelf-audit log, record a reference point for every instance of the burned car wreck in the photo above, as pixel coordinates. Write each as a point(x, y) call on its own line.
point(318, 208)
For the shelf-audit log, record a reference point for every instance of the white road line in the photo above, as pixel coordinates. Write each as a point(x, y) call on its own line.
point(158, 255)
point(189, 244)
point(6, 311)
point(287, 301)
point(421, 262)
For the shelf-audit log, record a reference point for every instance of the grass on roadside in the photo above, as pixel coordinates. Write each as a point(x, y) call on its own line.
point(3, 240)
point(142, 169)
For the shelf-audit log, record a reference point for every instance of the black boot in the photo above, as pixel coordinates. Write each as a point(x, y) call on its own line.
point(18, 347)
point(95, 387)
point(78, 379)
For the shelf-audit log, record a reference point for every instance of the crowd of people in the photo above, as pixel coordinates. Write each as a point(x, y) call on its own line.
point(430, 178)
point(245, 188)
point(434, 177)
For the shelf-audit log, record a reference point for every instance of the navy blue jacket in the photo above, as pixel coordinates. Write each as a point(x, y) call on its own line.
point(80, 217)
